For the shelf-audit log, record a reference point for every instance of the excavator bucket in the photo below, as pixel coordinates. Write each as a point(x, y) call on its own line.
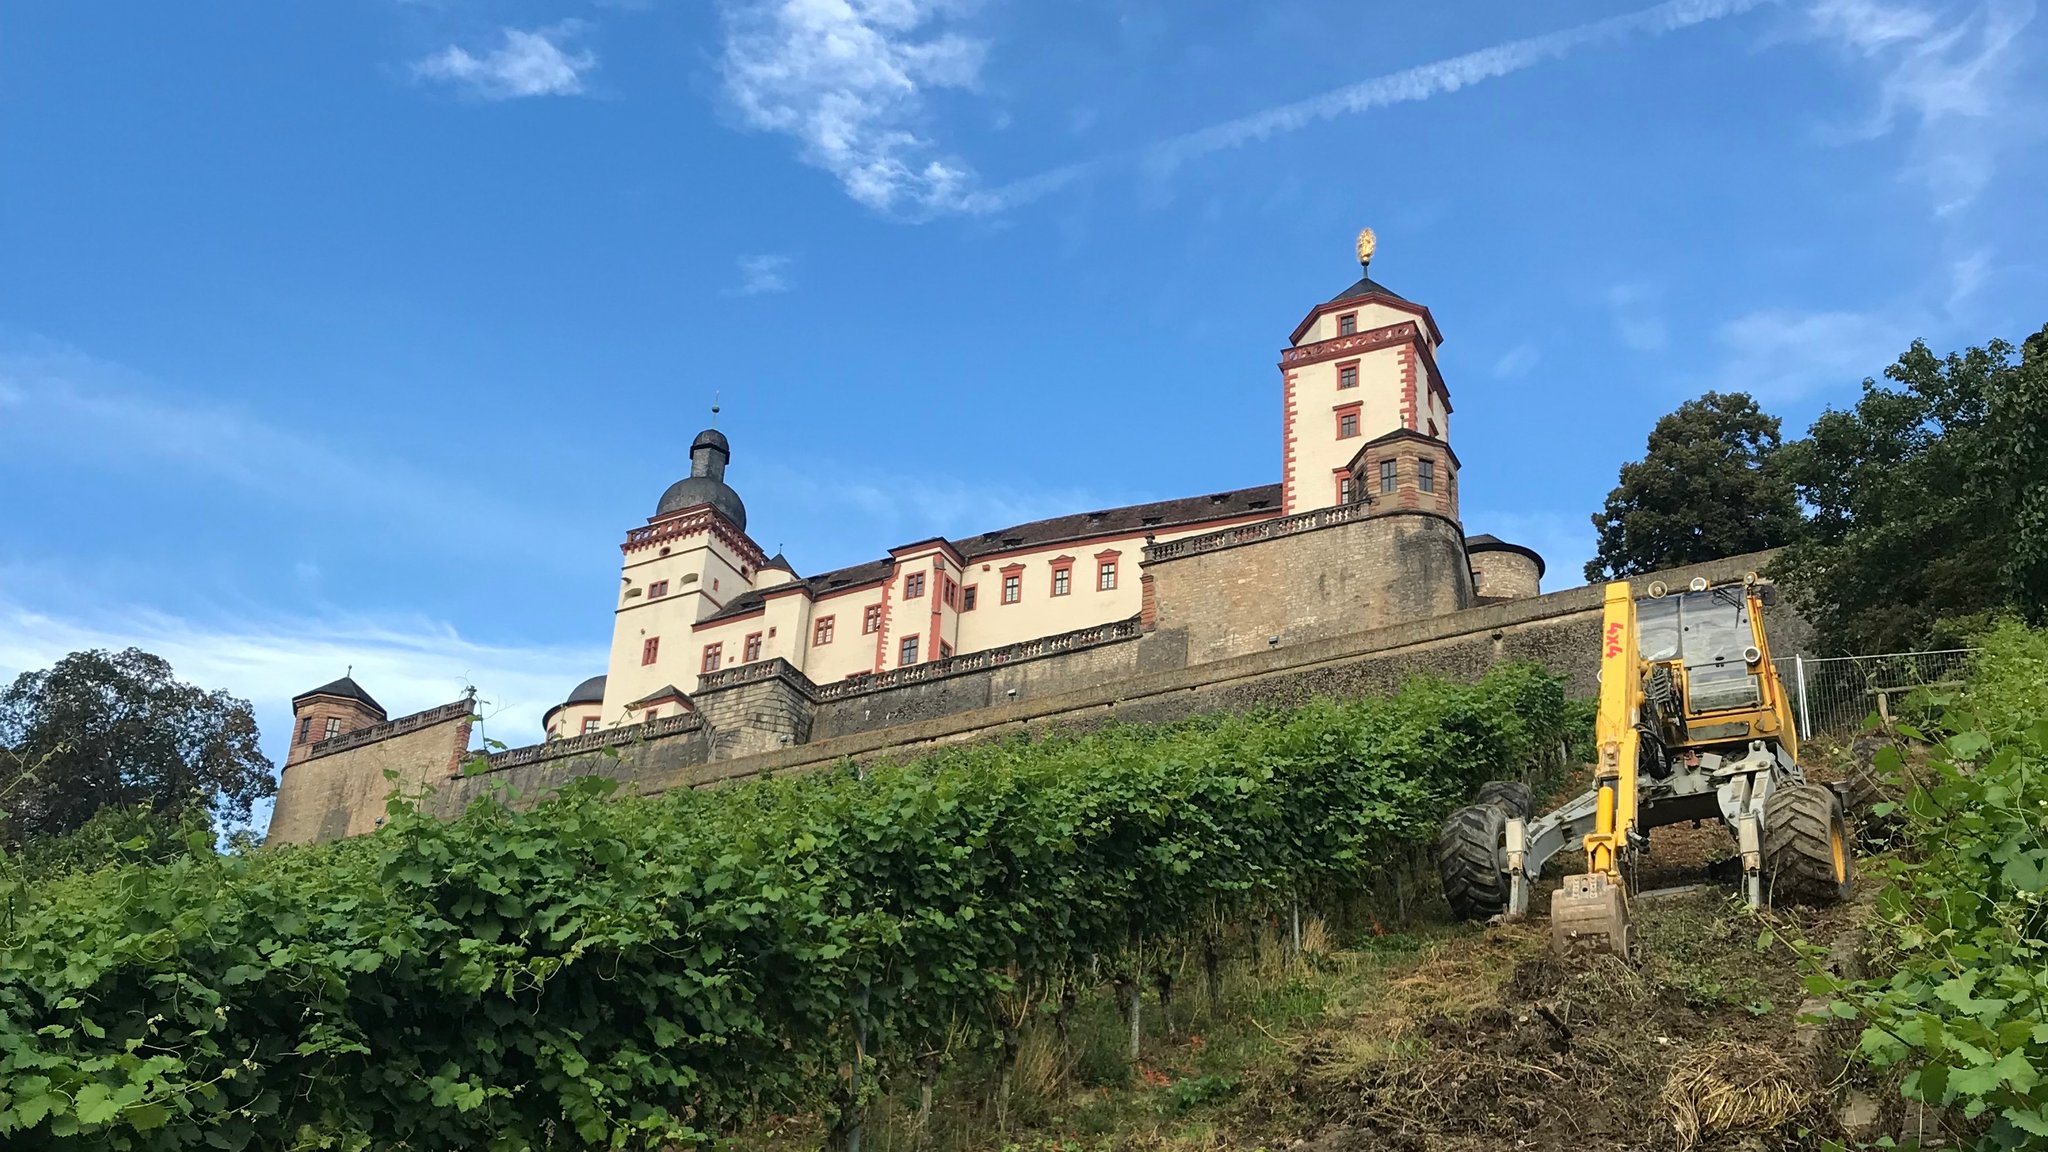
point(1589, 914)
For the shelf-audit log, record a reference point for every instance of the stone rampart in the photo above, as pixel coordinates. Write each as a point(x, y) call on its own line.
point(1560, 631)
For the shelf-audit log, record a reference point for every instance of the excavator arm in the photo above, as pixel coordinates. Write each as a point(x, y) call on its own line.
point(1590, 911)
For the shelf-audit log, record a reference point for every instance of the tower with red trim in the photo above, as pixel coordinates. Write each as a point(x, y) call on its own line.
point(1359, 369)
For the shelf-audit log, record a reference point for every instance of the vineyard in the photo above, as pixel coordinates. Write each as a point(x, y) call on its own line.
point(599, 971)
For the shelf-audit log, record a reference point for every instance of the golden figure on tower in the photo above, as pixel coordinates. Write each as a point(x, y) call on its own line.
point(1366, 240)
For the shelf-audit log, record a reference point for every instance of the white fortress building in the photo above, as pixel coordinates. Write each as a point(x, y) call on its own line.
point(1366, 419)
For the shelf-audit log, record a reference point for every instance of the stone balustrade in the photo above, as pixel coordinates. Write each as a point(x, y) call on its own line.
point(1263, 530)
point(600, 739)
point(387, 729)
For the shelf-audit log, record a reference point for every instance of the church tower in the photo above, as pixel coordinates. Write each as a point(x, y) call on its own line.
point(1361, 367)
point(691, 558)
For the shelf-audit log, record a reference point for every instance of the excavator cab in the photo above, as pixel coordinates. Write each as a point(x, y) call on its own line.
point(1693, 724)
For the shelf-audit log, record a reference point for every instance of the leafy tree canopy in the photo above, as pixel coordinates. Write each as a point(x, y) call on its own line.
point(1706, 488)
point(115, 728)
point(1929, 501)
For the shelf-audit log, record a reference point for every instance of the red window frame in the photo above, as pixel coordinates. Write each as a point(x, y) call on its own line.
point(906, 651)
point(1063, 580)
point(714, 655)
point(1347, 324)
point(1390, 476)
point(650, 650)
point(1105, 575)
point(822, 629)
point(968, 595)
point(913, 586)
point(590, 723)
point(1343, 478)
point(750, 649)
point(1425, 474)
point(1013, 584)
point(871, 620)
point(657, 589)
point(945, 650)
point(1347, 375)
point(949, 591)
point(1350, 413)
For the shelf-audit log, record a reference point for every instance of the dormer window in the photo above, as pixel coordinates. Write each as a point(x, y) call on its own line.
point(1347, 324)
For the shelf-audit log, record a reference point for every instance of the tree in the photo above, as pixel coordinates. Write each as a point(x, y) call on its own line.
point(1929, 501)
point(114, 728)
point(1706, 488)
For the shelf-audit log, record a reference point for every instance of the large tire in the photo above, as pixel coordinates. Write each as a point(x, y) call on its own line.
point(1470, 855)
point(1517, 798)
point(1807, 859)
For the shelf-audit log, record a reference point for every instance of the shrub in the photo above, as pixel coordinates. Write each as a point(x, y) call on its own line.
point(601, 971)
point(1963, 928)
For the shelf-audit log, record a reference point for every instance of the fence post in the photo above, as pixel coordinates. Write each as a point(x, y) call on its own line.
point(1805, 715)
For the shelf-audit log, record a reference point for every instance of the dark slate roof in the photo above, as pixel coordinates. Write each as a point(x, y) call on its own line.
point(1367, 286)
point(780, 561)
point(591, 691)
point(345, 688)
point(1486, 543)
point(1160, 514)
point(662, 693)
point(1408, 434)
point(691, 491)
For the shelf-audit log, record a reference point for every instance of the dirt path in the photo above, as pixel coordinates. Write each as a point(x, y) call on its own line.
point(1697, 1046)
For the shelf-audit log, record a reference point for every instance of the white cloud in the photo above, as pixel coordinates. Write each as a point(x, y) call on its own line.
point(1946, 81)
point(77, 411)
point(1438, 78)
point(534, 63)
point(1965, 276)
point(762, 275)
point(1784, 354)
point(1516, 361)
point(1638, 317)
point(849, 80)
point(407, 664)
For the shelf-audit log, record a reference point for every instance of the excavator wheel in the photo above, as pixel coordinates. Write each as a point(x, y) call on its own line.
point(1806, 846)
point(1518, 798)
point(1470, 859)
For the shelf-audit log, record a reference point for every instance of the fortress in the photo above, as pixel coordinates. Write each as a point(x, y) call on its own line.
point(1351, 571)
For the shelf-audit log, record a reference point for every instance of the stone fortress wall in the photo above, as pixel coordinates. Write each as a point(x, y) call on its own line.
point(1337, 602)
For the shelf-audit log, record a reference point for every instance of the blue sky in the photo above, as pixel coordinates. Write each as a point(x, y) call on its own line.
point(359, 332)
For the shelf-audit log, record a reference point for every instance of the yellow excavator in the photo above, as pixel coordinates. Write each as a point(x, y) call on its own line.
point(1693, 725)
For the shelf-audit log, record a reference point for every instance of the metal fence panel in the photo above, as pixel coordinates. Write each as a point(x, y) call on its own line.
point(1839, 695)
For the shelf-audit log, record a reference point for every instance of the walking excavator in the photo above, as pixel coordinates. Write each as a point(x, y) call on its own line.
point(1693, 725)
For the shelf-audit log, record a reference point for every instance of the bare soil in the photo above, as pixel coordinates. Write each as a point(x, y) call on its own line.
point(1698, 1045)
